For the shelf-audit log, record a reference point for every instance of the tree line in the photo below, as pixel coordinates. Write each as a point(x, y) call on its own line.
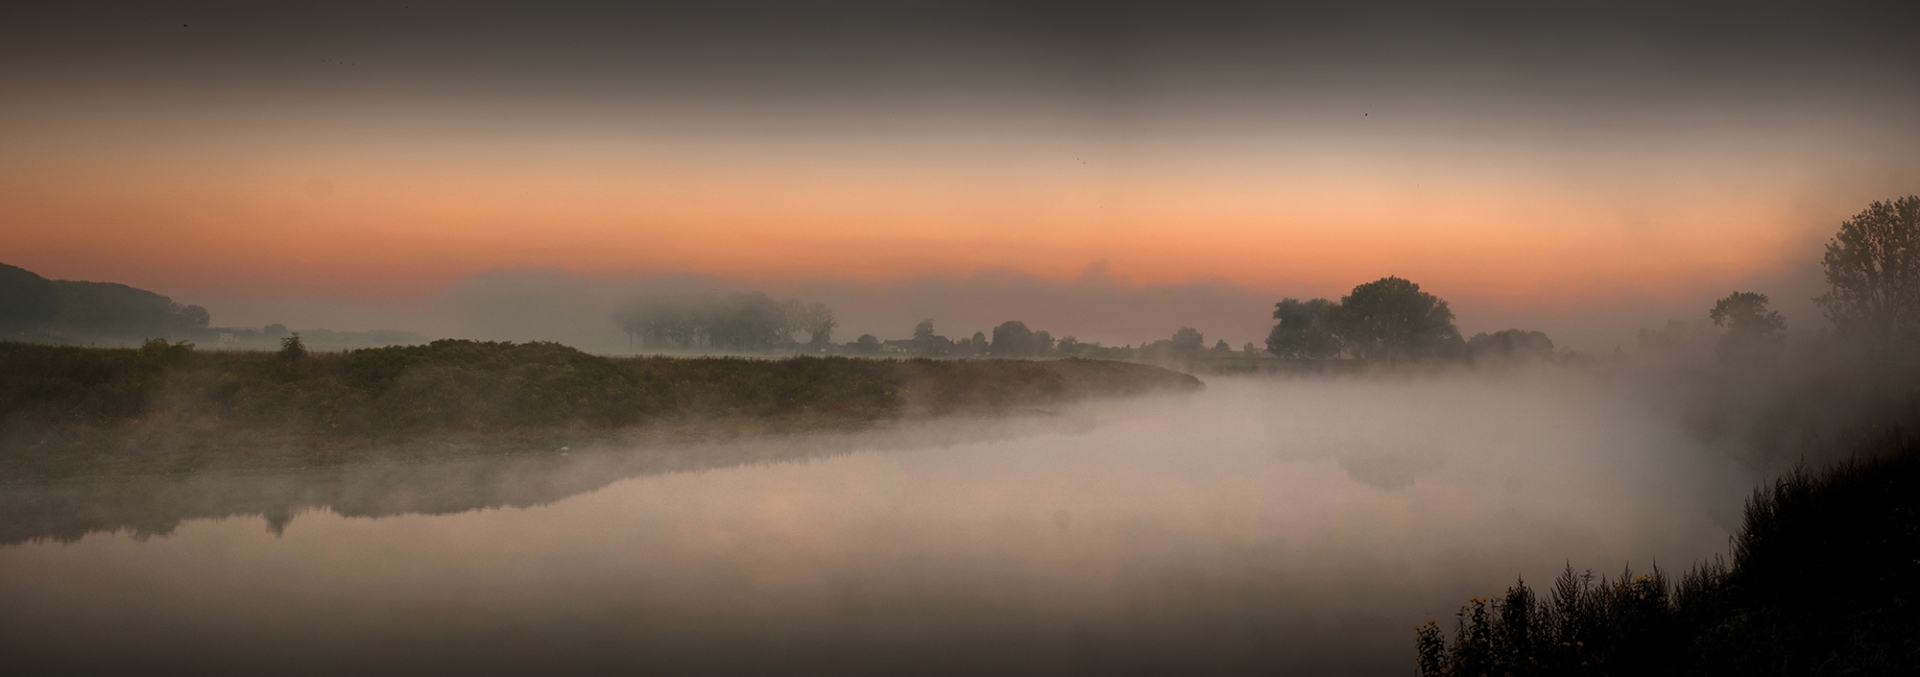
point(1872, 269)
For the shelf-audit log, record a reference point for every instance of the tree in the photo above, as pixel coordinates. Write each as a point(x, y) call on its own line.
point(818, 322)
point(1873, 271)
point(867, 344)
point(1187, 343)
point(192, 318)
point(1042, 343)
point(923, 337)
point(748, 322)
point(1012, 339)
point(1307, 330)
point(1509, 345)
point(978, 345)
point(1068, 347)
point(742, 322)
point(292, 349)
point(1755, 335)
point(1391, 319)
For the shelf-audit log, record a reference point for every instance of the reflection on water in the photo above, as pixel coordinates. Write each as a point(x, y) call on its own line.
point(1301, 526)
point(154, 506)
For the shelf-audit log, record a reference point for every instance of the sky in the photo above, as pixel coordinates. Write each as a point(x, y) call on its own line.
point(1098, 169)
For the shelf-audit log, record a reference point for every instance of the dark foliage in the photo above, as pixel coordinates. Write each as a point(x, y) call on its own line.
point(1872, 267)
point(1823, 580)
point(1387, 320)
point(1012, 339)
point(1306, 330)
point(1510, 345)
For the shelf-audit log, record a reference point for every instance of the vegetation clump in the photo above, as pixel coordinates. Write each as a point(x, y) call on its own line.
point(1824, 579)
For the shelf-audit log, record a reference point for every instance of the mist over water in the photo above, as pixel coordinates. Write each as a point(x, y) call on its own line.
point(1305, 525)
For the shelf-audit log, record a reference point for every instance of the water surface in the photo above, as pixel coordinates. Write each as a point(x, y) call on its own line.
point(1305, 526)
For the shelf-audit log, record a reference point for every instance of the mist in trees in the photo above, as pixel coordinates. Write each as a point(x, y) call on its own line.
point(736, 322)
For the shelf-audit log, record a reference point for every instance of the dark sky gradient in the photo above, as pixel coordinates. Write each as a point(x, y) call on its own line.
point(1596, 66)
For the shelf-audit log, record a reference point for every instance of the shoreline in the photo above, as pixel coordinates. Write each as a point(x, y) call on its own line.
point(68, 413)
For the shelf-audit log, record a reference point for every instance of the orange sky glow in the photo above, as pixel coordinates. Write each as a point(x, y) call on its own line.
point(386, 223)
point(287, 155)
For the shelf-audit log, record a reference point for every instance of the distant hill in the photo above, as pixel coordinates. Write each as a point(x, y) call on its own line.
point(38, 310)
point(32, 304)
point(27, 301)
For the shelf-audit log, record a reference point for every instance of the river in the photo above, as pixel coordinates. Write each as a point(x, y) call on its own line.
point(1301, 526)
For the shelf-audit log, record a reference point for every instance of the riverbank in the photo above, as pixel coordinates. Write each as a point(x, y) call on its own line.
point(70, 411)
point(1821, 580)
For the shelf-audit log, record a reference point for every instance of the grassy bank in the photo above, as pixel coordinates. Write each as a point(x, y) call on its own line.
point(69, 411)
point(1824, 579)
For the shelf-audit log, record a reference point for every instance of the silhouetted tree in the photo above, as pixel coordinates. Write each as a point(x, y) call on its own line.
point(1510, 345)
point(1012, 339)
point(818, 322)
point(1187, 343)
point(1221, 349)
point(1068, 347)
point(292, 349)
point(1042, 343)
point(27, 301)
point(1307, 330)
point(1391, 319)
point(923, 337)
point(978, 345)
point(867, 344)
point(192, 318)
point(1755, 335)
point(1873, 268)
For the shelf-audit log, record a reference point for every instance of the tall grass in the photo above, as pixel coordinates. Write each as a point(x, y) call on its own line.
point(1822, 581)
